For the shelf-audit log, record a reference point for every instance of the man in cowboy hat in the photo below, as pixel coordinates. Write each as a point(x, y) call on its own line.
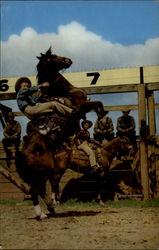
point(31, 106)
point(103, 128)
point(11, 132)
point(82, 139)
point(126, 126)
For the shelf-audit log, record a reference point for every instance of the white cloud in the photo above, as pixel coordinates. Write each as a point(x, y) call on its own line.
point(87, 50)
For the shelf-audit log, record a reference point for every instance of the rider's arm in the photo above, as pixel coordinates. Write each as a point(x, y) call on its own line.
point(24, 96)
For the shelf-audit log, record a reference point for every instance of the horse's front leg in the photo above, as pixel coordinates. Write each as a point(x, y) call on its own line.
point(37, 208)
point(47, 199)
point(55, 186)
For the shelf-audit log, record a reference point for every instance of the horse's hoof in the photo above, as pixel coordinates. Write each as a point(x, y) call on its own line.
point(101, 203)
point(43, 216)
point(55, 202)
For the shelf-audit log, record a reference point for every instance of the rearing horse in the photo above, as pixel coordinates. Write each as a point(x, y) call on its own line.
point(48, 71)
point(36, 163)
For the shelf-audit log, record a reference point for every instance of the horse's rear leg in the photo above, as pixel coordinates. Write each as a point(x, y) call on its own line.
point(97, 106)
point(55, 194)
point(55, 188)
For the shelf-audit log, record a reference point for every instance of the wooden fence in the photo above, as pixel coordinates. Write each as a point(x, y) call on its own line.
point(148, 155)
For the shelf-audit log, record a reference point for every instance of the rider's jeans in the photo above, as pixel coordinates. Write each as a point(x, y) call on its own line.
point(40, 108)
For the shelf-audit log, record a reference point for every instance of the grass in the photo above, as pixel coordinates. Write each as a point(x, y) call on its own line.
point(75, 203)
point(16, 202)
point(116, 204)
point(133, 203)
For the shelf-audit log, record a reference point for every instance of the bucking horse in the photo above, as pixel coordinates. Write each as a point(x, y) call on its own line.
point(36, 162)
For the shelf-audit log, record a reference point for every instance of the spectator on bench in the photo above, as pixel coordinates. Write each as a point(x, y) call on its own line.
point(103, 128)
point(12, 134)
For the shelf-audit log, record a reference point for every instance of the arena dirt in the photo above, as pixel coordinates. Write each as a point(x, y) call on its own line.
point(80, 228)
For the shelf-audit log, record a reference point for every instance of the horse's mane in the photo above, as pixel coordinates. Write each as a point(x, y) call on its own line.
point(41, 74)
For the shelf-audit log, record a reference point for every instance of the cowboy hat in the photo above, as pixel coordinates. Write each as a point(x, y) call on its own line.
point(19, 81)
point(102, 114)
point(87, 121)
point(126, 111)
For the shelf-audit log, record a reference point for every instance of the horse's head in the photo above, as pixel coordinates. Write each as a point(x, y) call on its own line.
point(49, 62)
point(126, 145)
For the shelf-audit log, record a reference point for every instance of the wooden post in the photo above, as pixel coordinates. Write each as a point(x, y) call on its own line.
point(15, 180)
point(151, 146)
point(151, 113)
point(143, 147)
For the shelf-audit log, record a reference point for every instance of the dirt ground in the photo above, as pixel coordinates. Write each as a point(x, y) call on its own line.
point(77, 227)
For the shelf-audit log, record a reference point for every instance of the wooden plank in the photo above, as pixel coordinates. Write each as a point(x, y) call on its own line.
point(151, 112)
point(109, 77)
point(15, 180)
point(7, 96)
point(111, 89)
point(89, 90)
point(8, 187)
point(151, 73)
point(152, 86)
point(143, 149)
point(96, 90)
point(12, 196)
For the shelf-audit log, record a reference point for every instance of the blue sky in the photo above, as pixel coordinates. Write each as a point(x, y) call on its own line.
point(125, 22)
point(103, 34)
point(94, 34)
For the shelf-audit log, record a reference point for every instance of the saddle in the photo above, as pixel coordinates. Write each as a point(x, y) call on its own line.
point(48, 123)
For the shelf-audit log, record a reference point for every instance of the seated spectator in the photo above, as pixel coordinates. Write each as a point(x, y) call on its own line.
point(103, 128)
point(82, 140)
point(12, 133)
point(126, 126)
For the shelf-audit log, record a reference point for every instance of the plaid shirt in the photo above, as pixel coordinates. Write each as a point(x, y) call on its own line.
point(83, 135)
